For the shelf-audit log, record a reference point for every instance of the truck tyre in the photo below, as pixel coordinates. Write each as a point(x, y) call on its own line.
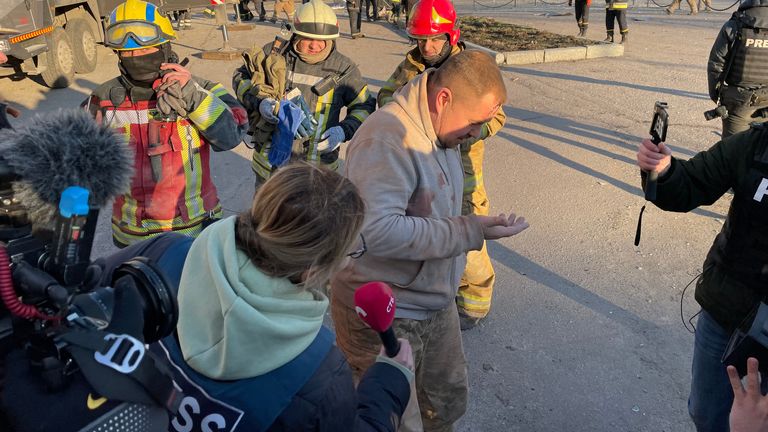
point(58, 60)
point(83, 45)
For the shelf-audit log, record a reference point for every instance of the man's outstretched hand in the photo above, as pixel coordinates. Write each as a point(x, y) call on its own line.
point(496, 227)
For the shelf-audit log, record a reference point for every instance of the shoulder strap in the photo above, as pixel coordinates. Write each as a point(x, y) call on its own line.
point(120, 367)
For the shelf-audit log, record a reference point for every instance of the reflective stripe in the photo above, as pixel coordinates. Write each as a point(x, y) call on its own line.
point(471, 183)
point(242, 87)
point(129, 210)
point(473, 299)
point(300, 78)
point(363, 96)
point(194, 177)
point(207, 112)
point(156, 227)
point(119, 118)
point(260, 162)
point(322, 114)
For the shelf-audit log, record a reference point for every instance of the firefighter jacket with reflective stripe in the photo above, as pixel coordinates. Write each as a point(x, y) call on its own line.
point(172, 189)
point(736, 268)
point(744, 36)
point(471, 153)
point(351, 92)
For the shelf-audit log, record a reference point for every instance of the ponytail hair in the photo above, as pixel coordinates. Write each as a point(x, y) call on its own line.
point(304, 219)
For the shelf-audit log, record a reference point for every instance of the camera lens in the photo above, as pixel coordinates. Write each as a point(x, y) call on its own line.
point(161, 311)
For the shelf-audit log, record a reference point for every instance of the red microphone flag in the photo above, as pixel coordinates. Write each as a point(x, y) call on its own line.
point(375, 304)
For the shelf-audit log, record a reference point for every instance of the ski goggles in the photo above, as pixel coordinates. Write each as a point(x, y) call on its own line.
point(134, 34)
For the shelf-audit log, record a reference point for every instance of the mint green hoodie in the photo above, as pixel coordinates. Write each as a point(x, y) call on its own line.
point(234, 321)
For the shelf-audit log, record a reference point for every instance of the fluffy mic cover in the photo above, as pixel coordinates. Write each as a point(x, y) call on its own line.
point(375, 305)
point(66, 148)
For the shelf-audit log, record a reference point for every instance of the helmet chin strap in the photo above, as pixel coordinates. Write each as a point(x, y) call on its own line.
point(437, 60)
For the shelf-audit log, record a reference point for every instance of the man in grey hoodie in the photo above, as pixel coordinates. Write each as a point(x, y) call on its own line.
point(405, 162)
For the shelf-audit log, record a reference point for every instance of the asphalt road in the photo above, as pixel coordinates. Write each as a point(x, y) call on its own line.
point(585, 332)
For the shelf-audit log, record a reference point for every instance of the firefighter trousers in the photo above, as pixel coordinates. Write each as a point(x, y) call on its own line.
point(476, 286)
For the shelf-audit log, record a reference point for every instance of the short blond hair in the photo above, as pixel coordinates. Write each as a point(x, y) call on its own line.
point(471, 74)
point(304, 217)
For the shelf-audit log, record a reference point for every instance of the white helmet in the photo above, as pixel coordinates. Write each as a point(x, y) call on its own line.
point(316, 20)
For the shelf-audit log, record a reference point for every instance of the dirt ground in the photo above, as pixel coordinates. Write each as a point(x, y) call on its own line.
point(502, 37)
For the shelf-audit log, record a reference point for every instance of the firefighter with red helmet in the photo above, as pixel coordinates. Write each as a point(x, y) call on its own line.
point(434, 25)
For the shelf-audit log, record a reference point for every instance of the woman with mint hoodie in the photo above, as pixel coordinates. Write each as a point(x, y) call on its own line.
point(250, 351)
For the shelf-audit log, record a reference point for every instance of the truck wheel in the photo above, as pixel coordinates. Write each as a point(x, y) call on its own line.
point(58, 60)
point(83, 45)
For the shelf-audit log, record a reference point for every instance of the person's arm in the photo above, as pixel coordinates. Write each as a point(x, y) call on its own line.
point(492, 127)
point(241, 82)
point(385, 175)
point(384, 391)
point(701, 180)
point(718, 57)
point(749, 412)
point(398, 79)
point(218, 116)
point(360, 104)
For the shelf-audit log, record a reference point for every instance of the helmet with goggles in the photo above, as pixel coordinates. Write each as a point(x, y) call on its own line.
point(136, 24)
point(432, 18)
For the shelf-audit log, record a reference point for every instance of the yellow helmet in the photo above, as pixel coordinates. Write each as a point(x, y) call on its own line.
point(316, 20)
point(136, 24)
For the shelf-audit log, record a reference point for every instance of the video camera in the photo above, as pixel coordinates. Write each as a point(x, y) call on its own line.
point(74, 320)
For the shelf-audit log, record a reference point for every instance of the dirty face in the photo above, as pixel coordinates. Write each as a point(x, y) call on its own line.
point(461, 120)
point(431, 47)
point(310, 46)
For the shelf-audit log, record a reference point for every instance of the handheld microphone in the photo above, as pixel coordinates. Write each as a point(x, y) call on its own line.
point(375, 305)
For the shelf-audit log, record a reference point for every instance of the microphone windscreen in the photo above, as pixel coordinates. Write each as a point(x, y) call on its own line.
point(66, 148)
point(375, 305)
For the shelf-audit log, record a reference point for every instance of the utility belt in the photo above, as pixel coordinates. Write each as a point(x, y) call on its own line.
point(752, 97)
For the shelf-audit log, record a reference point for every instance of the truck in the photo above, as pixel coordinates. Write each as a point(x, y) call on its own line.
point(58, 38)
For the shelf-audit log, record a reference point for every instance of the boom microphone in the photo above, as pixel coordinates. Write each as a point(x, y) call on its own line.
point(63, 149)
point(375, 305)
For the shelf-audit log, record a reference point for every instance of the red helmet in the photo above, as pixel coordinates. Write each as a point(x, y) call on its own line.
point(433, 17)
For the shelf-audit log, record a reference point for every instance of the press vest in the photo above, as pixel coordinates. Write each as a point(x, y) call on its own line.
point(750, 62)
point(250, 404)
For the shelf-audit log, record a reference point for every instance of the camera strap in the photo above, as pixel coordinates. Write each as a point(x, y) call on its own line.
point(120, 367)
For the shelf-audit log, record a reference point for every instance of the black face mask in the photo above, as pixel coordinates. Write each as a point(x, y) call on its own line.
point(143, 69)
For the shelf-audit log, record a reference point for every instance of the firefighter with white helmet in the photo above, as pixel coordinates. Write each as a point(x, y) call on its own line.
point(308, 65)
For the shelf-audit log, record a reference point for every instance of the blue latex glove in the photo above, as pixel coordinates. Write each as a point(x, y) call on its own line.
point(289, 117)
